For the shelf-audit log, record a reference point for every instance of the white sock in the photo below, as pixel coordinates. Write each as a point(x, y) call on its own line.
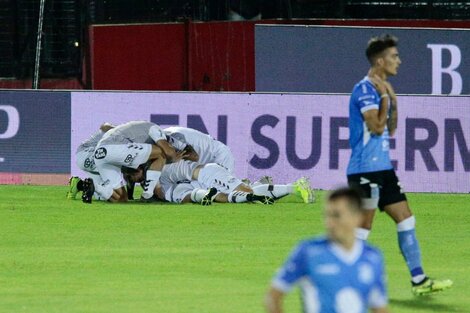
point(197, 195)
point(152, 179)
point(238, 197)
point(362, 233)
point(273, 191)
point(214, 175)
point(418, 278)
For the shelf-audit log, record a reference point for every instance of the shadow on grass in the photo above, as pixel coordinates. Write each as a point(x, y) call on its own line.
point(425, 304)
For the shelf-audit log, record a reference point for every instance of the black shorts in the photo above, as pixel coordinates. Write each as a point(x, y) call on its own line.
point(390, 191)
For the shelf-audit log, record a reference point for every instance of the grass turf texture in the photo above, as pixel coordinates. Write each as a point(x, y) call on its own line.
point(66, 256)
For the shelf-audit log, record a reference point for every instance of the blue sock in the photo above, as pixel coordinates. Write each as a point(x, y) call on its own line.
point(409, 247)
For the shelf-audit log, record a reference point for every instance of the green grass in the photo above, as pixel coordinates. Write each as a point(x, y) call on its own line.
point(66, 256)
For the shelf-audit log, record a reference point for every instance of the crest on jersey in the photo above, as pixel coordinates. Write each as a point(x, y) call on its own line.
point(89, 163)
point(129, 158)
point(100, 153)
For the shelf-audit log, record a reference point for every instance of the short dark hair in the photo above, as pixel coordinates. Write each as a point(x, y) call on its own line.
point(352, 194)
point(379, 44)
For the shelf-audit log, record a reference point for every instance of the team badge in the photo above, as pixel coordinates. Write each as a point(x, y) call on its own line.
point(129, 159)
point(100, 153)
point(89, 163)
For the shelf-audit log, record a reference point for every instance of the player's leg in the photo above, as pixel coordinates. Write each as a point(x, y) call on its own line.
point(188, 193)
point(215, 176)
point(300, 188)
point(395, 204)
point(152, 176)
point(112, 186)
point(86, 162)
point(368, 184)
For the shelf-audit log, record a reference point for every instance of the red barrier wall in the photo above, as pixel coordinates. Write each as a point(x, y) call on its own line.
point(138, 57)
point(221, 56)
point(210, 56)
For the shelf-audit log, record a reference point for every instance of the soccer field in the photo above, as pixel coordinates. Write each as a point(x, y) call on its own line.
point(66, 256)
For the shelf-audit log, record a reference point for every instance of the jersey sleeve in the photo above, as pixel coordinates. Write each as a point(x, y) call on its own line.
point(292, 270)
point(156, 133)
point(366, 99)
point(378, 294)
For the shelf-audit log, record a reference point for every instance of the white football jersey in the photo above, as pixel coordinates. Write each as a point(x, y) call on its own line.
point(206, 147)
point(90, 142)
point(133, 132)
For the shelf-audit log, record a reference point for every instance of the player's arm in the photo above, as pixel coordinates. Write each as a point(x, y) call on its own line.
point(191, 154)
point(393, 114)
point(160, 139)
point(293, 269)
point(273, 301)
point(167, 149)
point(376, 119)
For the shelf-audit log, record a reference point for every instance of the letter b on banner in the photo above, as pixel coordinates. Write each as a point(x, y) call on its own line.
point(438, 70)
point(12, 122)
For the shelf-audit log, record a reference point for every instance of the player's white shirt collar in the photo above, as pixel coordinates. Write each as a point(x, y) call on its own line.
point(347, 256)
point(367, 79)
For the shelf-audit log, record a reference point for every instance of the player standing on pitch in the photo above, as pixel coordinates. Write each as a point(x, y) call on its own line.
point(337, 273)
point(372, 119)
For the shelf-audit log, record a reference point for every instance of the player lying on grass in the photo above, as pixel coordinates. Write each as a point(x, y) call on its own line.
point(373, 119)
point(337, 272)
point(206, 150)
point(207, 175)
point(130, 144)
point(176, 185)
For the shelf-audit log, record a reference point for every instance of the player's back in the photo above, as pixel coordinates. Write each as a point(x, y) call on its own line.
point(340, 282)
point(370, 152)
point(90, 142)
point(203, 144)
point(131, 132)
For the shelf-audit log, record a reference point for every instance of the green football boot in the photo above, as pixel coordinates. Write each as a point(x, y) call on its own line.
point(302, 189)
point(430, 286)
point(73, 187)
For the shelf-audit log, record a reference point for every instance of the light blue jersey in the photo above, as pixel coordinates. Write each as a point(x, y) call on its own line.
point(370, 152)
point(333, 279)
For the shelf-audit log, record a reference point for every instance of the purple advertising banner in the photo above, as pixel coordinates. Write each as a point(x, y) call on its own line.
point(292, 135)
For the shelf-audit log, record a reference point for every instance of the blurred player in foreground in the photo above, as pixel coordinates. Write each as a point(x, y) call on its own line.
point(336, 273)
point(372, 120)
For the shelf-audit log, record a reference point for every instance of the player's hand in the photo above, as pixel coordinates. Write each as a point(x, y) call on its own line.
point(379, 84)
point(391, 93)
point(180, 155)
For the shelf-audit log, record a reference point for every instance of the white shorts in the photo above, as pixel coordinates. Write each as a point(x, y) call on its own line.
point(110, 158)
point(176, 193)
point(129, 155)
point(224, 157)
point(175, 173)
point(86, 160)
